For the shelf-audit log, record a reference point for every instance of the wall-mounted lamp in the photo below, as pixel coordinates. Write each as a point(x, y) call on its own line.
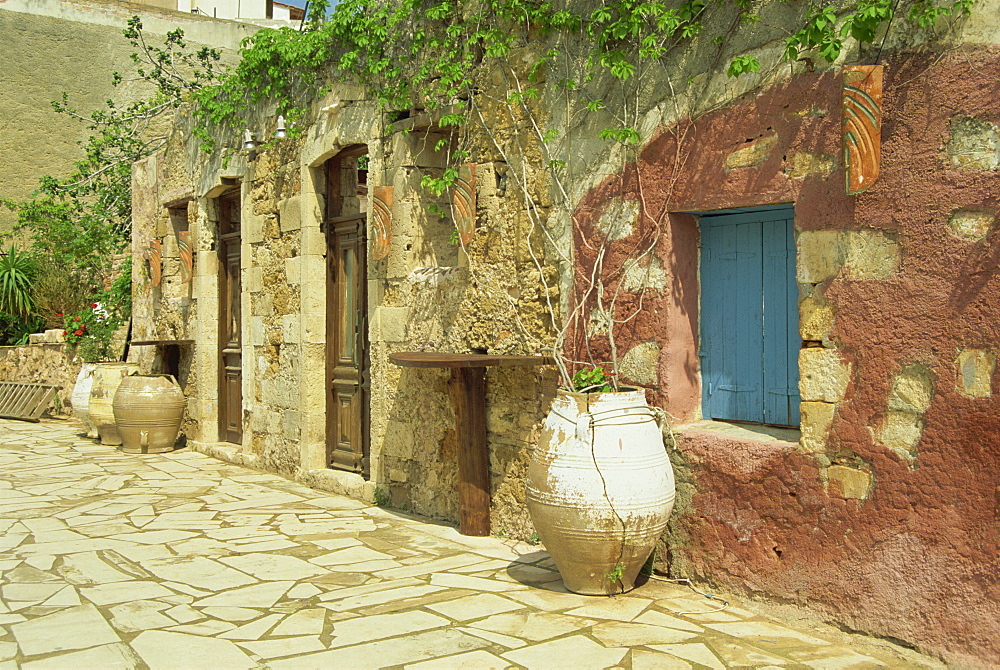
point(281, 132)
point(249, 143)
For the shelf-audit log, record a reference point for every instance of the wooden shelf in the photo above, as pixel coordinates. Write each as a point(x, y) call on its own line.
point(432, 359)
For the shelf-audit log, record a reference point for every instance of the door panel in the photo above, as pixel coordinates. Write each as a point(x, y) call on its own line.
point(781, 324)
point(348, 367)
point(749, 317)
point(230, 323)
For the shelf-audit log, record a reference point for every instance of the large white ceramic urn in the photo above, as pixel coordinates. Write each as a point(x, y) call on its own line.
point(80, 399)
point(600, 488)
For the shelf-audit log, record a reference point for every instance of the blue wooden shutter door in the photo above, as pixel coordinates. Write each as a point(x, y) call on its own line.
point(732, 317)
point(749, 317)
point(781, 321)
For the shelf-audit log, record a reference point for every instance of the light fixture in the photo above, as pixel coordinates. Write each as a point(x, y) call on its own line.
point(281, 132)
point(249, 143)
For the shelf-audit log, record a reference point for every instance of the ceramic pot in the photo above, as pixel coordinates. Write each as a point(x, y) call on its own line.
point(107, 377)
point(148, 411)
point(600, 488)
point(80, 398)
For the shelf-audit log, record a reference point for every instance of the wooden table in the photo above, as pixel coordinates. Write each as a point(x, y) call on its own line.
point(468, 396)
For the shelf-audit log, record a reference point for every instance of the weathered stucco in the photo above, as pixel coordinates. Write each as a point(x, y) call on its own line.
point(884, 513)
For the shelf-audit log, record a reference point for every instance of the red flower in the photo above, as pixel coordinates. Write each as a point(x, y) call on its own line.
point(93, 305)
point(64, 333)
point(78, 332)
point(76, 318)
point(59, 313)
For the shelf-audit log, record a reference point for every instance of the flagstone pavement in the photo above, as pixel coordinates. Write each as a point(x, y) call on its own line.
point(111, 560)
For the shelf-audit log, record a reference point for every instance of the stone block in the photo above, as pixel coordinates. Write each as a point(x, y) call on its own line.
point(253, 280)
point(252, 231)
point(912, 390)
point(311, 268)
point(820, 255)
point(752, 154)
point(971, 224)
point(290, 329)
point(313, 329)
point(975, 372)
point(639, 364)
point(901, 432)
point(823, 375)
point(848, 482)
point(290, 214)
point(55, 335)
point(392, 322)
point(256, 331)
point(619, 218)
point(418, 149)
point(815, 318)
point(870, 254)
point(36, 338)
point(974, 144)
point(804, 165)
point(399, 440)
point(293, 270)
point(313, 297)
point(313, 242)
point(648, 276)
point(817, 417)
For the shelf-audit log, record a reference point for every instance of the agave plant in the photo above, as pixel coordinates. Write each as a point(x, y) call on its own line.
point(18, 270)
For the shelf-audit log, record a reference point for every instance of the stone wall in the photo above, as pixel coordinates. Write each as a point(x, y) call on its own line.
point(429, 294)
point(54, 46)
point(43, 364)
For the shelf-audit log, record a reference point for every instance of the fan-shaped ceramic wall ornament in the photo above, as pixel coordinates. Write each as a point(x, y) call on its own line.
point(155, 262)
point(381, 218)
point(187, 255)
point(463, 202)
point(862, 126)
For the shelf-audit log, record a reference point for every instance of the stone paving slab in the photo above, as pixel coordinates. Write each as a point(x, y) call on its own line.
point(112, 560)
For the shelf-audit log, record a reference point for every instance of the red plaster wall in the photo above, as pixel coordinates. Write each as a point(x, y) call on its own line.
point(918, 559)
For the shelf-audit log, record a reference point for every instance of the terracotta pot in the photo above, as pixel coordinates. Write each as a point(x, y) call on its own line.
point(80, 398)
point(148, 411)
point(600, 488)
point(107, 377)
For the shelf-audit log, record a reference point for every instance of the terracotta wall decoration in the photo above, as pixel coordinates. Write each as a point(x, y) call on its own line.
point(463, 202)
point(862, 126)
point(155, 262)
point(187, 255)
point(381, 221)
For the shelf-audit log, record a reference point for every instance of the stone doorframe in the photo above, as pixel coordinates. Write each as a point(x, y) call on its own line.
point(206, 328)
point(337, 129)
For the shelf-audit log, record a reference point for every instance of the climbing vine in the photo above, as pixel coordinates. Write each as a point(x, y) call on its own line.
point(432, 56)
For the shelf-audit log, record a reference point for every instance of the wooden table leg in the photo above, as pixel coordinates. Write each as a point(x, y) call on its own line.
point(468, 396)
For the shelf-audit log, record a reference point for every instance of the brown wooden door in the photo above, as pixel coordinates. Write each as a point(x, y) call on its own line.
point(348, 376)
point(230, 354)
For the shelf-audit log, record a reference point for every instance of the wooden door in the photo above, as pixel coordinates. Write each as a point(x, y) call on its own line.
point(230, 320)
point(348, 374)
point(749, 317)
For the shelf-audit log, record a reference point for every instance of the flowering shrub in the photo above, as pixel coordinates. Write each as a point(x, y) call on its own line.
point(92, 330)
